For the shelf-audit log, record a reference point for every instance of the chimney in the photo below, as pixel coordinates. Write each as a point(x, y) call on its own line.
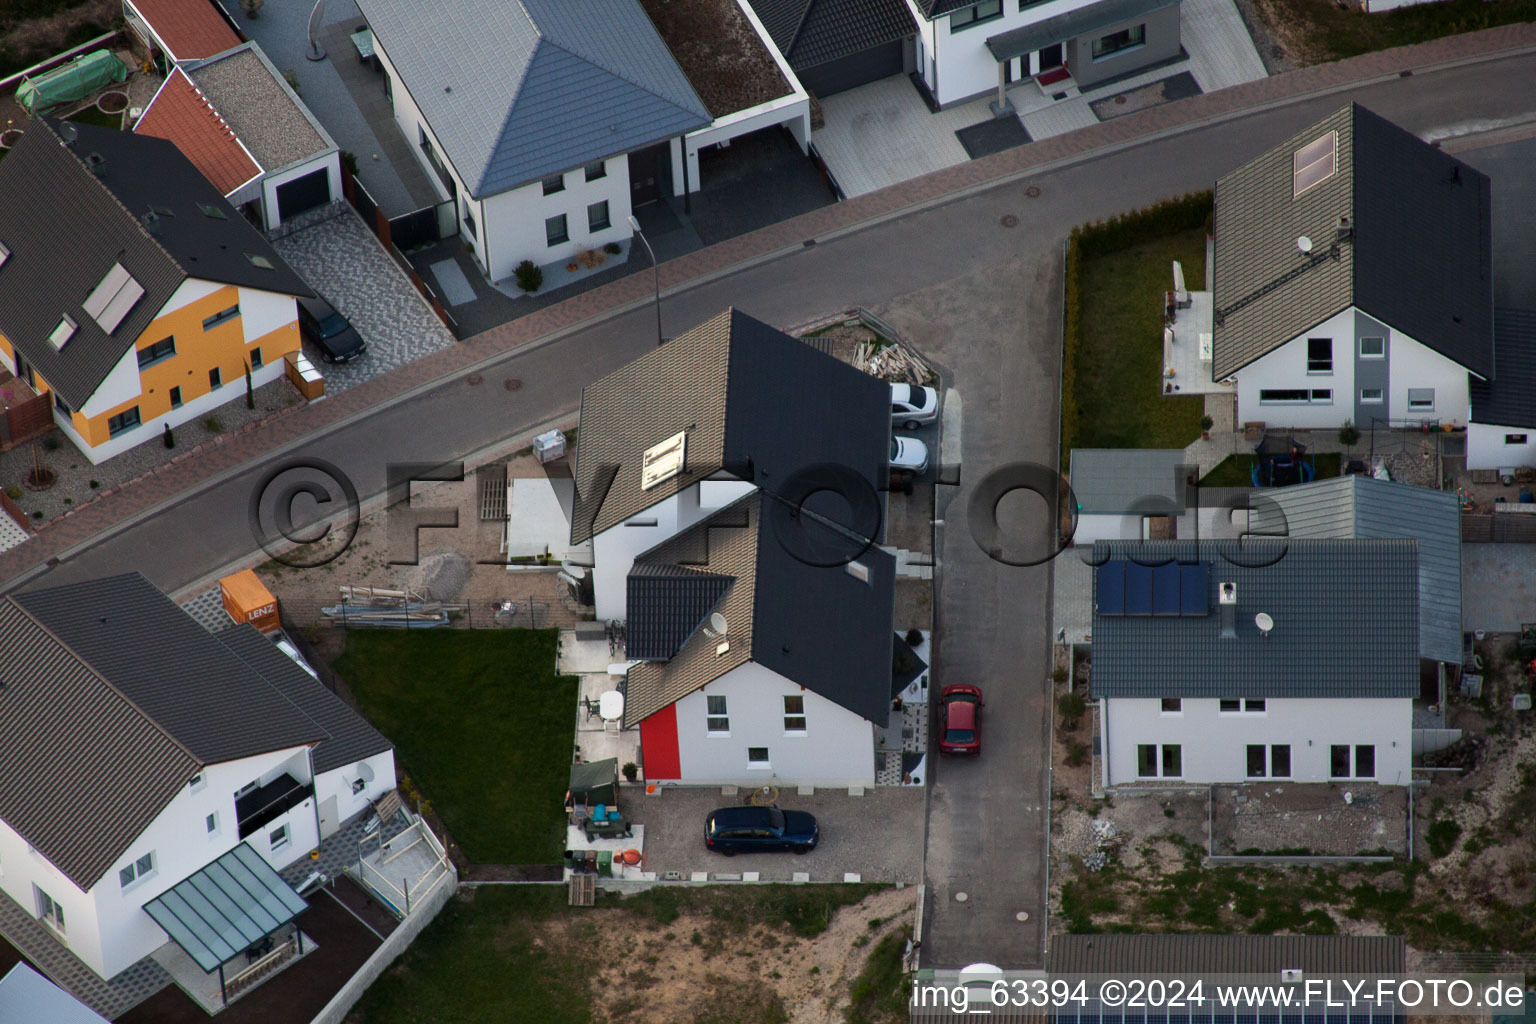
point(1228, 602)
point(1346, 228)
point(151, 222)
point(95, 163)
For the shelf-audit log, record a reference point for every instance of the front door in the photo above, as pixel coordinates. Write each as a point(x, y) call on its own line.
point(646, 168)
point(1051, 57)
point(327, 816)
point(24, 371)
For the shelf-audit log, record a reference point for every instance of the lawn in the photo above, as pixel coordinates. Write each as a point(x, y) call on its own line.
point(90, 115)
point(481, 724)
point(1119, 363)
point(1237, 470)
point(1327, 31)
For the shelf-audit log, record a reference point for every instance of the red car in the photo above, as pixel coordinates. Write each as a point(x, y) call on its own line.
point(960, 720)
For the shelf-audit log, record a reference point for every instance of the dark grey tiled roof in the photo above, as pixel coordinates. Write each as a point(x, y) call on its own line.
point(1069, 25)
point(820, 627)
point(754, 403)
point(935, 8)
point(518, 91)
point(1419, 259)
point(812, 32)
point(1364, 507)
point(1346, 623)
point(1195, 955)
point(1117, 480)
point(665, 604)
point(349, 736)
point(1509, 399)
point(66, 227)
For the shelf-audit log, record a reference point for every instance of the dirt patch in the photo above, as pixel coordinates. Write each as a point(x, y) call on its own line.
point(720, 52)
point(1310, 820)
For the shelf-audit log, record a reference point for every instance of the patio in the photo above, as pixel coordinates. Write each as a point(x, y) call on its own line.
point(592, 662)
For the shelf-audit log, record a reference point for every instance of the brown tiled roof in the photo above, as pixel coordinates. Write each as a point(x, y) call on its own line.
point(190, 29)
point(181, 114)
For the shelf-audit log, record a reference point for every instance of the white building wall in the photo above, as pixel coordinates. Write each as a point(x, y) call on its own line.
point(21, 868)
point(836, 749)
point(1214, 745)
point(1491, 447)
point(121, 385)
point(1286, 368)
point(966, 67)
point(1419, 366)
point(262, 312)
point(514, 220)
point(336, 784)
point(329, 161)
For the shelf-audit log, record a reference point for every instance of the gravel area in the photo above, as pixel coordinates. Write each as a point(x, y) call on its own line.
point(717, 48)
point(259, 109)
point(79, 482)
point(1316, 818)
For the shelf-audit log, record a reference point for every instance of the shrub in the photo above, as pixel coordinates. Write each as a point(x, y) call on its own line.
point(292, 78)
point(349, 161)
point(1059, 674)
point(914, 638)
point(1071, 705)
point(530, 276)
point(631, 770)
point(214, 424)
point(1206, 423)
point(1442, 836)
point(1077, 755)
point(1348, 434)
point(14, 491)
point(95, 484)
point(51, 441)
point(613, 248)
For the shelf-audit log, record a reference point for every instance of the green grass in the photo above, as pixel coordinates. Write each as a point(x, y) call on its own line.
point(879, 993)
point(90, 115)
point(1442, 836)
point(1237, 470)
point(1336, 32)
point(1118, 377)
point(483, 726)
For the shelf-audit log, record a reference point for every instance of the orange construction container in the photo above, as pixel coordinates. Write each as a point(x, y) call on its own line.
point(247, 599)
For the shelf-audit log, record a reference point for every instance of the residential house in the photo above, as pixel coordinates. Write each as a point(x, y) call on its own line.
point(1502, 434)
point(756, 667)
point(1226, 661)
point(246, 130)
point(172, 31)
point(1129, 493)
point(137, 749)
point(1352, 282)
point(833, 46)
point(27, 997)
point(966, 48)
point(130, 289)
point(727, 407)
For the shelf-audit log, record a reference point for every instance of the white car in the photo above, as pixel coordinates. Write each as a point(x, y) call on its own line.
point(909, 454)
point(913, 405)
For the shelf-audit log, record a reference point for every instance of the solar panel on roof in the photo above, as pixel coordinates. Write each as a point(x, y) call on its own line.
point(1193, 597)
point(1165, 589)
point(1138, 589)
point(1111, 598)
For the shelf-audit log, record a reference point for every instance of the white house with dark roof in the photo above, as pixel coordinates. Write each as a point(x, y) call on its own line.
point(1293, 659)
point(138, 751)
point(728, 407)
point(1502, 434)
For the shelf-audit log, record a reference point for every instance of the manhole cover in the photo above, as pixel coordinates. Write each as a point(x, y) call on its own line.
point(961, 897)
point(474, 379)
point(1033, 192)
point(1022, 915)
point(1119, 101)
point(1010, 220)
point(512, 384)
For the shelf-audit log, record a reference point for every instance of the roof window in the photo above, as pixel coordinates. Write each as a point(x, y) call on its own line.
point(260, 261)
point(5, 254)
point(111, 300)
point(1314, 163)
point(62, 333)
point(210, 210)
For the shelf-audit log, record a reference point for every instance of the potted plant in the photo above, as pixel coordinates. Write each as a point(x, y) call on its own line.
point(631, 771)
point(1205, 427)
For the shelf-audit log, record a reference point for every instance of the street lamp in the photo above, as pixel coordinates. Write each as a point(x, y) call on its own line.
point(634, 225)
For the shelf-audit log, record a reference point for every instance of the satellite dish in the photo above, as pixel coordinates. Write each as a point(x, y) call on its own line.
point(717, 623)
point(1264, 622)
point(365, 771)
point(316, 16)
point(1304, 243)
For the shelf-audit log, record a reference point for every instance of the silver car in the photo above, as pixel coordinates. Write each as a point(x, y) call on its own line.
point(909, 454)
point(913, 405)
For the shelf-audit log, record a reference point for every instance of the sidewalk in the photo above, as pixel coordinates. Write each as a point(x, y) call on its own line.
point(717, 260)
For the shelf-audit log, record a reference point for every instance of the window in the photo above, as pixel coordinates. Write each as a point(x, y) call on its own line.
point(1421, 399)
point(1319, 355)
point(555, 230)
point(647, 521)
point(249, 787)
point(197, 782)
point(212, 824)
point(858, 570)
point(63, 406)
point(1515, 438)
point(158, 352)
point(358, 785)
point(1229, 705)
point(1365, 762)
point(1256, 760)
point(1373, 348)
point(1338, 761)
point(1147, 761)
point(1173, 705)
point(125, 420)
point(1280, 760)
point(222, 316)
point(965, 17)
point(597, 216)
point(1119, 42)
point(210, 210)
point(111, 300)
point(62, 333)
point(256, 358)
point(215, 379)
point(1253, 706)
point(794, 714)
point(717, 720)
point(1314, 163)
point(469, 216)
point(1173, 761)
point(1296, 396)
point(176, 398)
point(596, 169)
point(51, 913)
point(757, 757)
point(5, 254)
point(139, 869)
point(260, 262)
point(1370, 396)
point(278, 838)
point(554, 183)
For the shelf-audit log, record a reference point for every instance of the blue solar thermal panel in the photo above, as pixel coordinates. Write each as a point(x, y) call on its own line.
point(1165, 589)
point(1138, 589)
point(1111, 599)
point(1193, 597)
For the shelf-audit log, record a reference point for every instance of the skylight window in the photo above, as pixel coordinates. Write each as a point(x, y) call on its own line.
point(62, 333)
point(5, 254)
point(1314, 163)
point(209, 210)
point(111, 300)
point(259, 261)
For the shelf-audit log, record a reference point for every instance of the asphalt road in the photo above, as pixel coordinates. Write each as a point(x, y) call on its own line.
point(982, 299)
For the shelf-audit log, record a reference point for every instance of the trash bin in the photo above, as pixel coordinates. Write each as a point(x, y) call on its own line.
point(549, 446)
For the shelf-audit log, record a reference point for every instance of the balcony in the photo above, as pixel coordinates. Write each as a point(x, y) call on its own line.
point(270, 802)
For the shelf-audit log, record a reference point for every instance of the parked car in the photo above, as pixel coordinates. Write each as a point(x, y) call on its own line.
point(908, 453)
point(913, 405)
point(733, 830)
point(337, 340)
point(960, 707)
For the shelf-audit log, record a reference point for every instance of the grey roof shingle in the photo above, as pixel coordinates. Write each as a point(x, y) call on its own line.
point(1117, 480)
point(820, 627)
point(1346, 623)
point(1204, 955)
point(66, 227)
point(813, 32)
point(1366, 508)
point(1419, 259)
point(517, 91)
point(1509, 399)
point(754, 402)
point(664, 605)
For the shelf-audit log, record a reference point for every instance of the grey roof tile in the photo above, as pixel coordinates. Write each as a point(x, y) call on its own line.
point(1346, 622)
point(1509, 399)
point(1419, 259)
point(518, 91)
point(1195, 955)
point(665, 604)
point(1118, 480)
point(1363, 507)
point(812, 32)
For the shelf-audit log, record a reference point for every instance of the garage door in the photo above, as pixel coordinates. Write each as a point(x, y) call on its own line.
point(305, 193)
point(860, 68)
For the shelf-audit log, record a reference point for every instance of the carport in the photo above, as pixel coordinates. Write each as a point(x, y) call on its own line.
point(833, 47)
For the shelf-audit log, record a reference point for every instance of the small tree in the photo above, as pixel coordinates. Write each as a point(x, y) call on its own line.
point(1071, 707)
point(631, 771)
point(1348, 434)
point(1206, 423)
point(169, 438)
point(530, 276)
point(250, 389)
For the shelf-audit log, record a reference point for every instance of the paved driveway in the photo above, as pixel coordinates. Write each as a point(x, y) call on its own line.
point(879, 835)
